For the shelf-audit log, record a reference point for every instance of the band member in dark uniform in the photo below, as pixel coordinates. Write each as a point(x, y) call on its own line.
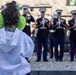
point(29, 19)
point(72, 28)
point(51, 35)
point(42, 35)
point(59, 25)
point(35, 31)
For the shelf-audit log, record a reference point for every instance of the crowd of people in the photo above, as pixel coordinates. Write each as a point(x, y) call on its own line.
point(55, 28)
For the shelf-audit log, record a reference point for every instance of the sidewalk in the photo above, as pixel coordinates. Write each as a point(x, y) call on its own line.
point(52, 67)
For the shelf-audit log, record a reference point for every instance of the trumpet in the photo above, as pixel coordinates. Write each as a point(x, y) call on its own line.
point(75, 23)
point(43, 24)
point(59, 22)
point(43, 20)
point(75, 20)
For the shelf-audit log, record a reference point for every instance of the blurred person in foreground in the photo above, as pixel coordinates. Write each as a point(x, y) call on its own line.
point(15, 45)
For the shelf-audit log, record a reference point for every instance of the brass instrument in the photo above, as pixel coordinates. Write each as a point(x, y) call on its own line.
point(75, 24)
point(43, 25)
point(59, 22)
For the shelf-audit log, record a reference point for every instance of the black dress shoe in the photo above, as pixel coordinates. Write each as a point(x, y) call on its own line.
point(60, 60)
point(38, 60)
point(56, 60)
point(45, 60)
point(71, 60)
point(51, 56)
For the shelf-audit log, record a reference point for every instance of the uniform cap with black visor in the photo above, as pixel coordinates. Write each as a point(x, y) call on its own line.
point(42, 10)
point(54, 16)
point(73, 12)
point(25, 7)
point(59, 12)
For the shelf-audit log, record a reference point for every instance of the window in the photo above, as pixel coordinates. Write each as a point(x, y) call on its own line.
point(71, 2)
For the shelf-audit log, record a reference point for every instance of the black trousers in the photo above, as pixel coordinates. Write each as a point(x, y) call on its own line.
point(27, 30)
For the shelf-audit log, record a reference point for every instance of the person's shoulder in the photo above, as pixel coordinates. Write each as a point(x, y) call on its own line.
point(70, 20)
point(23, 34)
point(38, 18)
point(63, 19)
point(55, 20)
point(2, 29)
point(46, 18)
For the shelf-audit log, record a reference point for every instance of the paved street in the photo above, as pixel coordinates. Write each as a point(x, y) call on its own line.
point(52, 65)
